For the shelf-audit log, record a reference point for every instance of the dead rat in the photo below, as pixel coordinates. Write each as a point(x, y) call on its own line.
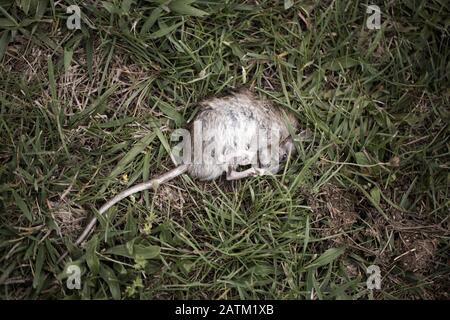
point(229, 132)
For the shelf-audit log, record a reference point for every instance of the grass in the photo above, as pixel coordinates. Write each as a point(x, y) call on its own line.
point(86, 113)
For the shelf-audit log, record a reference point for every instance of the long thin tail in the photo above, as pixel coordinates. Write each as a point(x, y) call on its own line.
point(151, 184)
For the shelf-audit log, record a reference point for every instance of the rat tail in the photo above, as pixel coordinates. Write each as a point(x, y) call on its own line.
point(151, 184)
point(147, 185)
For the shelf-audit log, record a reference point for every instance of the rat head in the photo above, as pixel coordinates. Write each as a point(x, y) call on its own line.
point(290, 124)
point(286, 148)
point(273, 161)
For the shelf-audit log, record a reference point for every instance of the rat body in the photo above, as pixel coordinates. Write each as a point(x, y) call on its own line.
point(228, 128)
point(232, 128)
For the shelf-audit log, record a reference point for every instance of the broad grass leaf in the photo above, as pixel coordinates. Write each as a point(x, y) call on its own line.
point(341, 63)
point(171, 112)
point(184, 8)
point(22, 206)
point(361, 158)
point(132, 154)
point(25, 6)
point(38, 267)
point(154, 16)
point(376, 195)
point(4, 41)
point(164, 30)
point(327, 257)
point(91, 256)
point(141, 251)
point(68, 53)
point(110, 278)
point(7, 23)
